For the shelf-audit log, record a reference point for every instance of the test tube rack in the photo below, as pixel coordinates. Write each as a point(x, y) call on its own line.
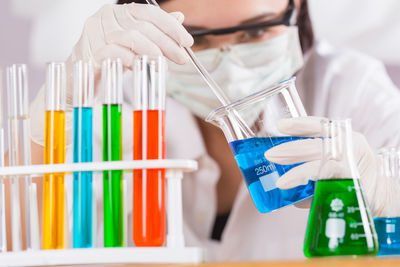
point(174, 252)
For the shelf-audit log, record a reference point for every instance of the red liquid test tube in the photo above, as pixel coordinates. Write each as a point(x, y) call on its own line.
point(149, 216)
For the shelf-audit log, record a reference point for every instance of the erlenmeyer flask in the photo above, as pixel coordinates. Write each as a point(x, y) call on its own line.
point(386, 212)
point(340, 221)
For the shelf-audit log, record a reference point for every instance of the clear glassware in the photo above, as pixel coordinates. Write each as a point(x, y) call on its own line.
point(83, 100)
point(149, 217)
point(54, 153)
point(260, 113)
point(112, 151)
point(387, 213)
point(340, 221)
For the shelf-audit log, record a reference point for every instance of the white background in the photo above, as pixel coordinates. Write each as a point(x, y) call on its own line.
point(38, 31)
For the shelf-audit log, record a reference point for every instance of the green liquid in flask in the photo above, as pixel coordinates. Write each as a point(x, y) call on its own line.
point(339, 221)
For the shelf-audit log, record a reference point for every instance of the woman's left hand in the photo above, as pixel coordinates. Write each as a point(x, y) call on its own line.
point(310, 152)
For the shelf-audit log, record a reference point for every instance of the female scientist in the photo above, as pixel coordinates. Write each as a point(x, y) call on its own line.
point(247, 45)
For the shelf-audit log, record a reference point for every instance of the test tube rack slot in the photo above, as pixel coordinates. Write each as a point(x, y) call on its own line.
point(174, 252)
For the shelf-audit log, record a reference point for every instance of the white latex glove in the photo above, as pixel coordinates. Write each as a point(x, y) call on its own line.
point(310, 152)
point(388, 184)
point(119, 31)
point(122, 31)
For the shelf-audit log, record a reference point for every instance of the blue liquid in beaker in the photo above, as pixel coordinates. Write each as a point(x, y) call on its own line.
point(388, 230)
point(83, 192)
point(261, 175)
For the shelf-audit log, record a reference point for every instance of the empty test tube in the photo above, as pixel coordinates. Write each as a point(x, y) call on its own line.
point(83, 152)
point(20, 150)
point(112, 151)
point(16, 89)
point(54, 152)
point(3, 233)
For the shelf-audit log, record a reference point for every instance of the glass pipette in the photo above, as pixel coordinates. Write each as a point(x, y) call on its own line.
point(219, 93)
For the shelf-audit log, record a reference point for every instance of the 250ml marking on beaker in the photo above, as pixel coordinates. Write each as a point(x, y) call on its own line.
point(264, 169)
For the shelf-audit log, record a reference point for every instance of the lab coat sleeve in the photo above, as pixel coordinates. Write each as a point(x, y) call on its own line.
point(376, 108)
point(378, 118)
point(37, 112)
point(343, 83)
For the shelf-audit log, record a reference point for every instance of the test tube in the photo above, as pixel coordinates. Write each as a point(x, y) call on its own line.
point(83, 152)
point(54, 152)
point(112, 151)
point(20, 151)
point(149, 143)
point(3, 233)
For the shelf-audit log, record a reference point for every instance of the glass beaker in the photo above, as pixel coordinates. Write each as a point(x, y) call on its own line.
point(387, 209)
point(340, 221)
point(260, 112)
point(149, 143)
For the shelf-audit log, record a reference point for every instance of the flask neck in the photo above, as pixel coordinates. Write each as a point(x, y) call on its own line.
point(389, 163)
point(338, 160)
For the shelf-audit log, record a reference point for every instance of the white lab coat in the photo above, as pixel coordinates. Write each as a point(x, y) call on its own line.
point(333, 83)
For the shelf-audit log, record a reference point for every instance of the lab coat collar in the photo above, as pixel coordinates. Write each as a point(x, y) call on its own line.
point(183, 136)
point(184, 139)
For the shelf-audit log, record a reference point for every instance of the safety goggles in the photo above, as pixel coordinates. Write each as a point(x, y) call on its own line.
point(288, 18)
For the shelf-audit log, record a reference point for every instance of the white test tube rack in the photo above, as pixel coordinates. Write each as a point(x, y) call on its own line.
point(174, 252)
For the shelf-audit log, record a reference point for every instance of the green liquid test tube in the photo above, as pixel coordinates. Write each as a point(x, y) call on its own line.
point(112, 151)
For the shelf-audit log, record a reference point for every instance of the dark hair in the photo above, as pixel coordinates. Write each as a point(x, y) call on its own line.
point(306, 33)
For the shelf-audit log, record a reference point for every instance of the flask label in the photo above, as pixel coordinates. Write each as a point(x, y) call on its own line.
point(390, 228)
point(337, 225)
point(337, 204)
point(269, 181)
point(264, 172)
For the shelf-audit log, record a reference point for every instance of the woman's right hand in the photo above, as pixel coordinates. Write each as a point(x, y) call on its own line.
point(123, 31)
point(119, 31)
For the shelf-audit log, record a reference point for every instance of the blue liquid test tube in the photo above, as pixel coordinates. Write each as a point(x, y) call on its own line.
point(83, 152)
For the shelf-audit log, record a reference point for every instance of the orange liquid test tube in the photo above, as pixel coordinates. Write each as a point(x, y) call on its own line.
point(54, 153)
point(149, 216)
point(149, 185)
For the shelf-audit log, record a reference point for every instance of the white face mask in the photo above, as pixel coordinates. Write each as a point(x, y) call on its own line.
point(240, 70)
